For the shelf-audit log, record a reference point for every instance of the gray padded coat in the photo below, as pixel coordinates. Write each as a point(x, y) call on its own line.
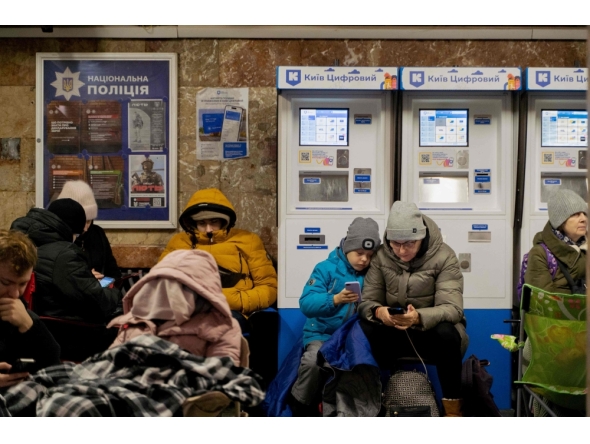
point(432, 283)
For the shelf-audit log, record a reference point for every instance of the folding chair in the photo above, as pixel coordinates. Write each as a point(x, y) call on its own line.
point(216, 403)
point(555, 325)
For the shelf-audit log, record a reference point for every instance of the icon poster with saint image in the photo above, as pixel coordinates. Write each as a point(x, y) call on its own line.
point(147, 179)
point(146, 125)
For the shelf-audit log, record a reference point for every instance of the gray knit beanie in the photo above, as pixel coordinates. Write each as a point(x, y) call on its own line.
point(405, 222)
point(362, 234)
point(562, 204)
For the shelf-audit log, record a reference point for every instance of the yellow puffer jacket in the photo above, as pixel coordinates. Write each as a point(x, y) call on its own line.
point(239, 251)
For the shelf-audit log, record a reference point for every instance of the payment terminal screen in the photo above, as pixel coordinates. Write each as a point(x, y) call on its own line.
point(444, 127)
point(323, 126)
point(564, 128)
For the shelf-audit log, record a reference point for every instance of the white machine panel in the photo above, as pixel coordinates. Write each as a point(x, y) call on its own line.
point(480, 245)
point(457, 155)
point(335, 151)
point(334, 165)
point(557, 144)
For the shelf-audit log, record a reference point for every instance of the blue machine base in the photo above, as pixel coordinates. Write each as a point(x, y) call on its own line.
point(481, 324)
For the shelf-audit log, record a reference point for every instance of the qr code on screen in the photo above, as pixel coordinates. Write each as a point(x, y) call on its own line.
point(304, 156)
point(547, 157)
point(425, 159)
point(157, 201)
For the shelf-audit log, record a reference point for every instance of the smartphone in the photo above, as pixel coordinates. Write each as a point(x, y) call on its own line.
point(232, 119)
point(355, 287)
point(22, 365)
point(106, 281)
point(395, 310)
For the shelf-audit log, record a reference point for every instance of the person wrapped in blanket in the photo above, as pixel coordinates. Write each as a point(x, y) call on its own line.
point(22, 334)
point(327, 304)
point(565, 236)
point(180, 300)
point(248, 277)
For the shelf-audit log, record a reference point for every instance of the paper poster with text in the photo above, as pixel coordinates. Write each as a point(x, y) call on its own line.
point(147, 179)
point(109, 119)
point(222, 123)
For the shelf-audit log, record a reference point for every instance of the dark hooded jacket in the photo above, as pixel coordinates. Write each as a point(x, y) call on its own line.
point(573, 257)
point(96, 245)
point(66, 287)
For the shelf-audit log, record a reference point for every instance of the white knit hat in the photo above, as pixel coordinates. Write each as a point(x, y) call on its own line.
point(81, 192)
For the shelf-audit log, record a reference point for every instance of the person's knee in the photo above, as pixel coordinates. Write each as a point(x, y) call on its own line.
point(447, 335)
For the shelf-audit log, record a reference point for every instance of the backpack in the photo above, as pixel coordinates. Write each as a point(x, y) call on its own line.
point(551, 264)
point(409, 393)
point(476, 383)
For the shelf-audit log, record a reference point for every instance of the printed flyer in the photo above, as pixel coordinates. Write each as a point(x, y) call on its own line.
point(222, 123)
point(110, 120)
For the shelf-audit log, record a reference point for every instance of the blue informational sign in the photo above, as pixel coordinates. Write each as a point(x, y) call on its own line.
point(552, 181)
point(482, 120)
point(312, 180)
point(312, 247)
point(232, 150)
point(212, 122)
point(362, 178)
point(314, 230)
point(106, 120)
point(362, 120)
point(362, 190)
point(479, 227)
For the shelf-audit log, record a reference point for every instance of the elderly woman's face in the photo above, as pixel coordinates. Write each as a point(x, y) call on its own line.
point(407, 250)
point(576, 226)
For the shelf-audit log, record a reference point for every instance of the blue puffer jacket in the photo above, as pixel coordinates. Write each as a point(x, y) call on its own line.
point(317, 301)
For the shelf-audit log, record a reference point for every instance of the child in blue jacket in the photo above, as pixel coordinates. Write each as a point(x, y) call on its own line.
point(327, 304)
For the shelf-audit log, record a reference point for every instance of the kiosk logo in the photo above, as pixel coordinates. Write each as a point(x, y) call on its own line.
point(417, 78)
point(293, 76)
point(543, 78)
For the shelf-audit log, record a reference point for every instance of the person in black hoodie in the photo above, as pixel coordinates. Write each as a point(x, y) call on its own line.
point(66, 287)
point(93, 240)
point(22, 334)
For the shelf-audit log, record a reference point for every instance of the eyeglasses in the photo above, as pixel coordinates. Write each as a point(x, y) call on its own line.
point(408, 244)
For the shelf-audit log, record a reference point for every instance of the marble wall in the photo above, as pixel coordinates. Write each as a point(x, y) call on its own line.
point(249, 183)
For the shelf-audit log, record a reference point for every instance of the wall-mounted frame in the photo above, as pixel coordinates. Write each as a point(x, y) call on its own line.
point(110, 119)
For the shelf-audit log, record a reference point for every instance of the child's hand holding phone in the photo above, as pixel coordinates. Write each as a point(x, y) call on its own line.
point(351, 293)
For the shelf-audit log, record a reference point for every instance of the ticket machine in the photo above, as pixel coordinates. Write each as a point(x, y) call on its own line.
point(458, 141)
point(335, 139)
point(556, 142)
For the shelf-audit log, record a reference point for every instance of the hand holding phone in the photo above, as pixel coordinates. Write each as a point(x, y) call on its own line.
point(354, 287)
point(106, 281)
point(395, 310)
point(22, 365)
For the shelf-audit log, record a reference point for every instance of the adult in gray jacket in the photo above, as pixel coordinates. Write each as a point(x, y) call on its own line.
point(416, 271)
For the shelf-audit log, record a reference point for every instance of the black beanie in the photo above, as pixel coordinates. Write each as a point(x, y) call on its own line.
point(71, 212)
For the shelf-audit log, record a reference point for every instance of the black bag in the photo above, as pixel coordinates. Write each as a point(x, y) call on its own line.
point(476, 383)
point(409, 393)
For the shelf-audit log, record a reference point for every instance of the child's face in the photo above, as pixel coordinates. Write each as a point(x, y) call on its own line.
point(359, 259)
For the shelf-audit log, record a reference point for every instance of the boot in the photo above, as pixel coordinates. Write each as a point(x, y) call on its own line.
point(452, 407)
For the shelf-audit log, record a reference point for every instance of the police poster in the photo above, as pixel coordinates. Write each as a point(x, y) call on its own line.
point(110, 120)
point(222, 123)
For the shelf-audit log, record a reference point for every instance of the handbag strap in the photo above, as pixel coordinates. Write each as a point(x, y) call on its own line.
point(567, 274)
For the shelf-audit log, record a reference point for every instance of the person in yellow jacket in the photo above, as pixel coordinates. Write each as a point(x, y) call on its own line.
point(248, 277)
